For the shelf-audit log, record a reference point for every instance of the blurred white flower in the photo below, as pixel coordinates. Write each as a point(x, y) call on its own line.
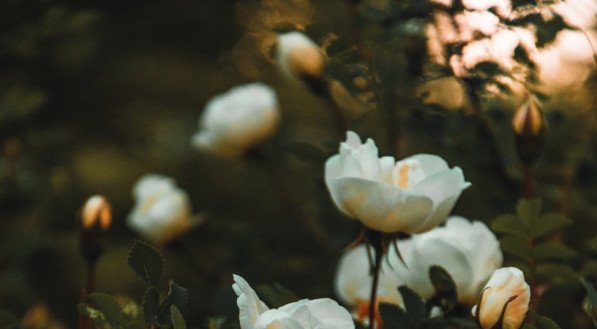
point(162, 210)
point(353, 283)
point(506, 288)
point(469, 251)
point(503, 7)
point(234, 121)
point(298, 56)
point(322, 313)
point(412, 195)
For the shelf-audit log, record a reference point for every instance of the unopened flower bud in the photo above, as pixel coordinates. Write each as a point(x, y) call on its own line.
point(96, 213)
point(530, 126)
point(504, 301)
point(300, 58)
point(96, 218)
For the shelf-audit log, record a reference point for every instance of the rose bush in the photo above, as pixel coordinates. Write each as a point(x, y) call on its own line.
point(412, 195)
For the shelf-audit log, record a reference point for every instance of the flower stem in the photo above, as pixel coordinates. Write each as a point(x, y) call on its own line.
point(85, 322)
point(375, 239)
point(528, 189)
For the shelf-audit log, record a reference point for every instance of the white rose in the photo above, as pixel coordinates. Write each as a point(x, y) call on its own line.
point(162, 210)
point(353, 283)
point(468, 251)
point(298, 56)
point(506, 288)
point(236, 120)
point(322, 313)
point(412, 195)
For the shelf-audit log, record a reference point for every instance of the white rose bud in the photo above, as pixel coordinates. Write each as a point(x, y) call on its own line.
point(468, 251)
point(353, 283)
point(303, 314)
point(298, 56)
point(162, 210)
point(234, 121)
point(96, 212)
point(412, 195)
point(505, 292)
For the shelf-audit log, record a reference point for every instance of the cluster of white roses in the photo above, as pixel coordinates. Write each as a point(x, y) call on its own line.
point(414, 195)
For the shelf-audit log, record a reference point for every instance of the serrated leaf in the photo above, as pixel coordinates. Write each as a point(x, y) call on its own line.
point(553, 251)
point(529, 210)
point(516, 246)
point(394, 317)
point(109, 307)
point(177, 318)
point(151, 304)
point(177, 296)
point(510, 224)
point(147, 262)
point(445, 295)
point(549, 223)
point(543, 322)
point(414, 305)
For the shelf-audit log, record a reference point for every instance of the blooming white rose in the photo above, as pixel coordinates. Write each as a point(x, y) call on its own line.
point(236, 120)
point(506, 288)
point(468, 251)
point(412, 195)
point(322, 313)
point(162, 210)
point(353, 282)
point(298, 56)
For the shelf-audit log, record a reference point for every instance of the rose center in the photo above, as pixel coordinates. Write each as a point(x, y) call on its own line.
point(407, 173)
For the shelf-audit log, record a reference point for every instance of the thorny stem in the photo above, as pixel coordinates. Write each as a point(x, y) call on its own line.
point(85, 322)
point(375, 239)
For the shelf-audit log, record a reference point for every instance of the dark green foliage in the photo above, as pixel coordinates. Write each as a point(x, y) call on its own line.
point(525, 237)
point(177, 319)
point(177, 296)
point(147, 262)
point(151, 304)
point(108, 306)
point(591, 307)
point(8, 320)
point(276, 295)
point(445, 295)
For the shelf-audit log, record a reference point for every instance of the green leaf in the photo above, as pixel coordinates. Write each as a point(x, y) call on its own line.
point(394, 317)
point(549, 223)
point(177, 319)
point(529, 210)
point(445, 295)
point(510, 224)
point(592, 297)
point(109, 307)
point(177, 296)
point(151, 304)
point(543, 322)
point(553, 251)
point(414, 305)
point(516, 246)
point(459, 323)
point(147, 262)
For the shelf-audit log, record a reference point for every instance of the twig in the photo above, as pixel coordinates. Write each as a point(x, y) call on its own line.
point(375, 239)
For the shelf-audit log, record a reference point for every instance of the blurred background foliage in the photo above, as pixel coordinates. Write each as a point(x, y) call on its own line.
point(93, 95)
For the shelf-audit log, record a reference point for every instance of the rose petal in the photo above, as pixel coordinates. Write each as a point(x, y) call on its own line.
point(378, 205)
point(443, 188)
point(430, 163)
point(249, 305)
